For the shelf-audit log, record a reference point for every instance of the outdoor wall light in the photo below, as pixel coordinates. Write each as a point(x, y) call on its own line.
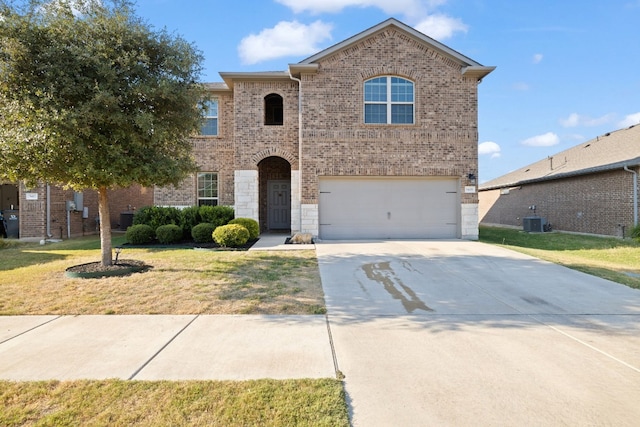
point(472, 178)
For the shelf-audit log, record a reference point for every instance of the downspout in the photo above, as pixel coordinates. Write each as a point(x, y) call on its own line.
point(635, 195)
point(299, 146)
point(48, 232)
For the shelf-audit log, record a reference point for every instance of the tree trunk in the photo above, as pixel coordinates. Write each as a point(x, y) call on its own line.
point(105, 227)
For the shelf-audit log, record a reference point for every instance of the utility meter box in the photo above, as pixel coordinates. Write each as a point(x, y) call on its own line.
point(78, 199)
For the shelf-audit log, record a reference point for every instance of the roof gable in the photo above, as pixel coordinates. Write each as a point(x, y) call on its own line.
point(613, 150)
point(469, 67)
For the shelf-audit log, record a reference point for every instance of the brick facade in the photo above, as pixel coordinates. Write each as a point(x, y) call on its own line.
point(32, 205)
point(598, 203)
point(330, 134)
point(336, 142)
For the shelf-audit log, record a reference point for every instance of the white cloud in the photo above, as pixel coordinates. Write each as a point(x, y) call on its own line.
point(576, 119)
point(420, 12)
point(630, 120)
point(537, 58)
point(391, 7)
point(545, 140)
point(489, 148)
point(285, 39)
point(441, 27)
point(572, 121)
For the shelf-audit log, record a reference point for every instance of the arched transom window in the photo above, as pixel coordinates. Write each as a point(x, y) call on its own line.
point(388, 99)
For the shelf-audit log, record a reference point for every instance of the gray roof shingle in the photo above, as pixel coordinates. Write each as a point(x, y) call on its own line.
point(612, 150)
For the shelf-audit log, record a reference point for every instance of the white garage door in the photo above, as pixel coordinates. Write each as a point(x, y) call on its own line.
point(384, 208)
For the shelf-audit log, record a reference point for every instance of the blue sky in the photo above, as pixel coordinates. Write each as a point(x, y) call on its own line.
point(567, 71)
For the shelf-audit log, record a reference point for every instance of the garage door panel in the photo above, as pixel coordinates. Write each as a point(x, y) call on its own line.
point(388, 208)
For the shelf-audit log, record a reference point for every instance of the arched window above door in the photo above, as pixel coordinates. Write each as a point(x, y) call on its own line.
point(273, 110)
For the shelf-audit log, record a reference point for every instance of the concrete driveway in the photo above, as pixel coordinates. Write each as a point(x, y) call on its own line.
point(463, 333)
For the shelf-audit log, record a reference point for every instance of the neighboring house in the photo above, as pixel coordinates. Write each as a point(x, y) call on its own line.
point(47, 211)
point(374, 137)
point(590, 188)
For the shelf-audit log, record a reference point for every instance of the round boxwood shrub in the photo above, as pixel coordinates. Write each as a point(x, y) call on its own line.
point(139, 234)
point(231, 235)
point(203, 232)
point(250, 224)
point(168, 234)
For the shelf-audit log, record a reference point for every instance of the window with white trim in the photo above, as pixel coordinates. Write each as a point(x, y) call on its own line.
point(388, 100)
point(207, 188)
point(210, 125)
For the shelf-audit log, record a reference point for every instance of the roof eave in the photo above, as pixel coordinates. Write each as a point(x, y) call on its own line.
point(596, 169)
point(230, 77)
point(298, 69)
point(478, 72)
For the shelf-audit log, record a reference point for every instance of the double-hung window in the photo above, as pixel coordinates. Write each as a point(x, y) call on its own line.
point(207, 188)
point(210, 124)
point(388, 100)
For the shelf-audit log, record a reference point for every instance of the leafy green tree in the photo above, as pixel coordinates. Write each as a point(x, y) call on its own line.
point(92, 97)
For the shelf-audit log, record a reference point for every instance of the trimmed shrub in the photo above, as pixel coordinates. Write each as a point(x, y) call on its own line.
point(250, 224)
point(139, 234)
point(167, 234)
point(189, 218)
point(216, 215)
point(231, 235)
point(155, 216)
point(203, 232)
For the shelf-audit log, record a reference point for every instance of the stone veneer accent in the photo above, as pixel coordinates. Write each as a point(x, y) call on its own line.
point(295, 202)
point(469, 216)
point(246, 194)
point(310, 222)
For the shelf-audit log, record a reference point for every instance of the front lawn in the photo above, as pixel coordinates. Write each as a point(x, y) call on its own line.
point(180, 281)
point(607, 257)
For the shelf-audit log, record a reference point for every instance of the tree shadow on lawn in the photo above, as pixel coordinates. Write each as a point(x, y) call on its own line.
point(19, 258)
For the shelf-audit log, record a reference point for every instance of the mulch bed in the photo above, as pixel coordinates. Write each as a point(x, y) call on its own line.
point(190, 244)
point(94, 270)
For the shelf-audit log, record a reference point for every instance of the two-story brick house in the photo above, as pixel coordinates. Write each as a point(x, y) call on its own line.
point(374, 137)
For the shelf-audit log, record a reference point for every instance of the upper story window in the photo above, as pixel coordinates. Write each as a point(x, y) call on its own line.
point(273, 109)
point(388, 100)
point(210, 125)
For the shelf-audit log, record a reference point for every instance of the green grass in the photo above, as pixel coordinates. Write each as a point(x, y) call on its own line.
point(607, 257)
point(302, 402)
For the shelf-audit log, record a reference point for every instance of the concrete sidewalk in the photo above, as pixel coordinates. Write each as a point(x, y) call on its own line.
point(211, 347)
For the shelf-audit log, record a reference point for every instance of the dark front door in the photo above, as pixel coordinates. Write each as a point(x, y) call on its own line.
point(279, 205)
